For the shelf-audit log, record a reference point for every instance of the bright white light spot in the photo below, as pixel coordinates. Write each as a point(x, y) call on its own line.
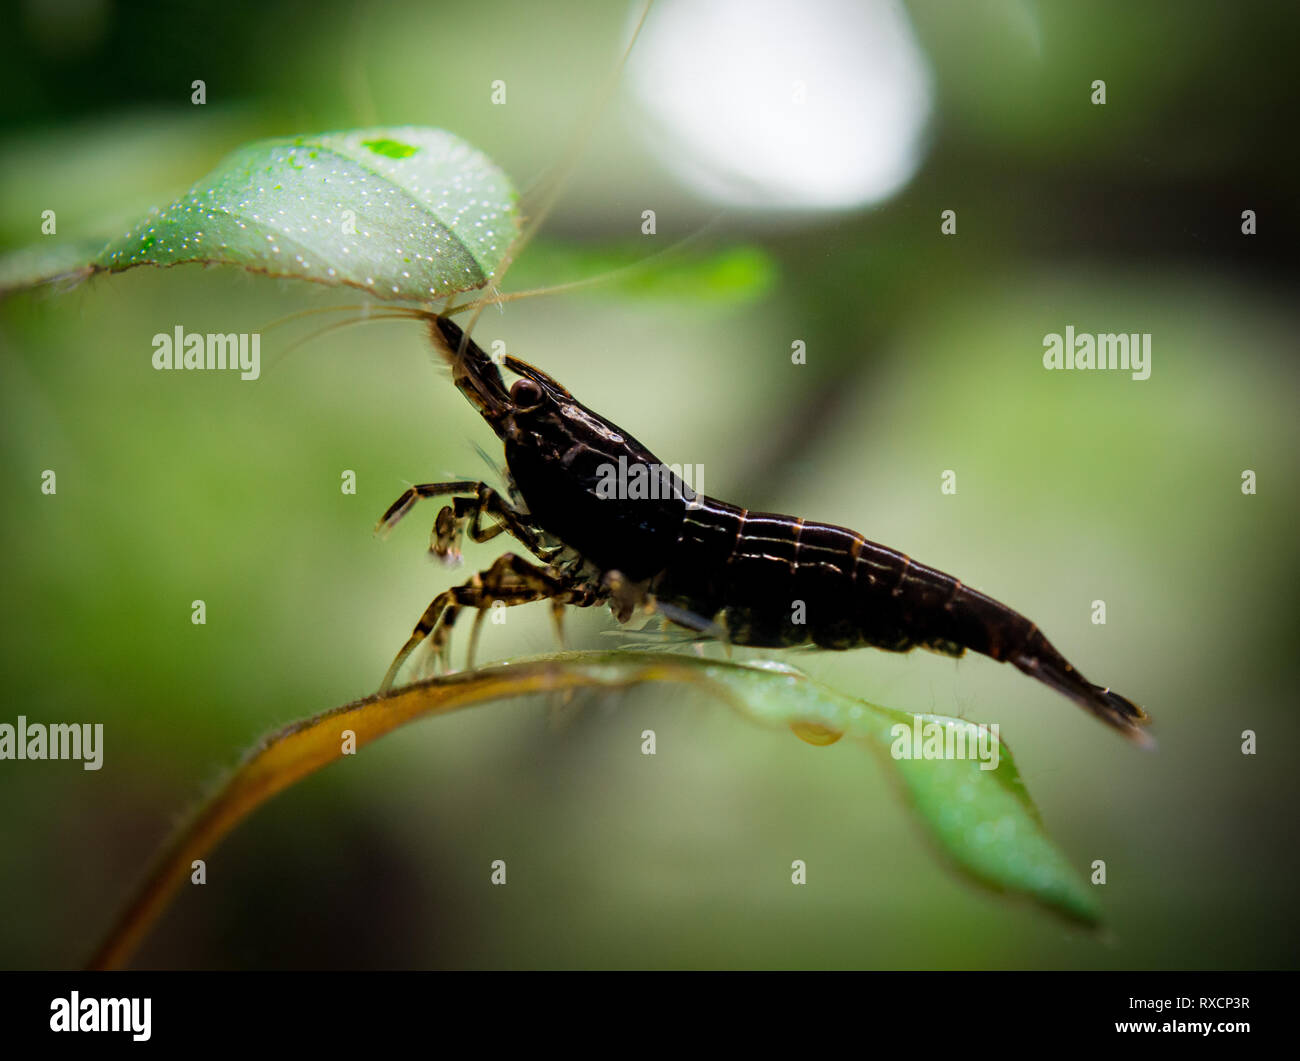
point(772, 104)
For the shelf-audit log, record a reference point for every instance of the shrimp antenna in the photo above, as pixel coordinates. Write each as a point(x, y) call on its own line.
point(622, 272)
point(353, 72)
point(578, 141)
point(551, 186)
point(554, 182)
point(389, 313)
point(365, 309)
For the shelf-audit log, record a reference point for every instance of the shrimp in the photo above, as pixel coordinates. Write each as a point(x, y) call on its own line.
point(757, 579)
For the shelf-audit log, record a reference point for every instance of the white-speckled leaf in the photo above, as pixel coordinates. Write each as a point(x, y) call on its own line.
point(405, 213)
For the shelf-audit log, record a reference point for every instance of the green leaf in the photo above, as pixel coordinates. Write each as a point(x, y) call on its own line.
point(403, 213)
point(982, 819)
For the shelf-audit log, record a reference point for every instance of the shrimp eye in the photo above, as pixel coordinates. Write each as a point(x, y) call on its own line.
point(525, 393)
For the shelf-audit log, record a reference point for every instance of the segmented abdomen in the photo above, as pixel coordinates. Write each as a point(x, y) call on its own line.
point(779, 581)
point(776, 582)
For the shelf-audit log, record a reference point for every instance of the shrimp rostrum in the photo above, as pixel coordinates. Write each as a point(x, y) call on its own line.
point(725, 571)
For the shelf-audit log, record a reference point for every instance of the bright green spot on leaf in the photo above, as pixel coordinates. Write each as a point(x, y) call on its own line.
point(390, 148)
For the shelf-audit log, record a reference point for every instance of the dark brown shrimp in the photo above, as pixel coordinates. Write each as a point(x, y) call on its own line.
point(756, 578)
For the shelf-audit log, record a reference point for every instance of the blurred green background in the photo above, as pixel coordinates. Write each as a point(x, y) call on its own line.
point(923, 355)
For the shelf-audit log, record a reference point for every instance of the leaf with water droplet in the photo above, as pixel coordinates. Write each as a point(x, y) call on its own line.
point(970, 796)
point(981, 818)
point(404, 213)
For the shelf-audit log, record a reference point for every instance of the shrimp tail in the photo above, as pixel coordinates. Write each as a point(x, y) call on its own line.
point(987, 626)
point(1040, 660)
